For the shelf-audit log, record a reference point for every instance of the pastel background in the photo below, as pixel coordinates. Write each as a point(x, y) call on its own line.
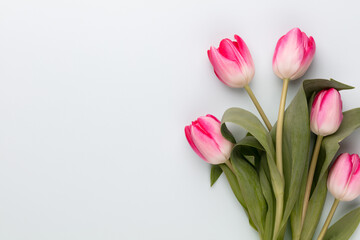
point(94, 97)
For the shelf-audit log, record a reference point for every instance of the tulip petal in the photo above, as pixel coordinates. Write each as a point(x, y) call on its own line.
point(330, 112)
point(290, 53)
point(228, 50)
point(244, 50)
point(339, 175)
point(232, 62)
point(275, 61)
point(353, 188)
point(206, 144)
point(309, 47)
point(309, 52)
point(314, 112)
point(247, 67)
point(227, 70)
point(326, 112)
point(293, 54)
point(212, 126)
point(191, 142)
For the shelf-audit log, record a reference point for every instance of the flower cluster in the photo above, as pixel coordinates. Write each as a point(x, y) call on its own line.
point(257, 164)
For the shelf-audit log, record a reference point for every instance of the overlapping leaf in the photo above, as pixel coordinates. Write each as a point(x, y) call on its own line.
point(345, 227)
point(265, 181)
point(251, 190)
point(310, 87)
point(252, 124)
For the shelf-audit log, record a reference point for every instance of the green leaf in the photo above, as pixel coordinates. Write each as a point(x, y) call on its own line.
point(345, 227)
point(227, 134)
point(296, 142)
point(234, 184)
point(249, 146)
point(307, 92)
point(330, 144)
point(251, 189)
point(314, 210)
point(251, 155)
point(252, 124)
point(314, 85)
point(250, 141)
point(265, 183)
point(296, 213)
point(215, 173)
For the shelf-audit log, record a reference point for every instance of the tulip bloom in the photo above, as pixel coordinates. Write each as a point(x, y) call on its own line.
point(326, 112)
point(293, 55)
point(234, 66)
point(232, 62)
point(205, 138)
point(344, 177)
point(343, 182)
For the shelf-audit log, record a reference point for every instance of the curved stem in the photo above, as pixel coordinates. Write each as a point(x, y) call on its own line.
point(328, 219)
point(311, 177)
point(258, 107)
point(278, 215)
point(279, 128)
point(279, 163)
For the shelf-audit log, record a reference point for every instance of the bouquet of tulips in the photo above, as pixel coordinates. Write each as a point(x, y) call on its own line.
point(278, 176)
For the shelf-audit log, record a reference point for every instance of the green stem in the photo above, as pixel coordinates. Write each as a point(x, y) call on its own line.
point(258, 107)
point(228, 163)
point(328, 219)
point(279, 162)
point(278, 214)
point(311, 177)
point(279, 128)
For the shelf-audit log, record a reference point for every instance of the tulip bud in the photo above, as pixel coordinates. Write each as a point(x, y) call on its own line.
point(344, 177)
point(205, 138)
point(326, 112)
point(232, 62)
point(293, 54)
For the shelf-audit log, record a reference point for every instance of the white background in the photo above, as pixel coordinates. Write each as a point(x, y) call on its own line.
point(94, 97)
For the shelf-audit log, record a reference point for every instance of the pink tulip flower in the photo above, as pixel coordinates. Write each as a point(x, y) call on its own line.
point(232, 62)
point(205, 138)
point(344, 177)
point(326, 112)
point(293, 55)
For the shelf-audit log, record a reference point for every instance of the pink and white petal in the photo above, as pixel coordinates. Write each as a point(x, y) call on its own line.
point(226, 48)
point(310, 48)
point(278, 44)
point(206, 145)
point(244, 51)
point(315, 111)
point(213, 126)
point(213, 117)
point(339, 175)
point(231, 52)
point(226, 149)
point(330, 113)
point(191, 142)
point(248, 74)
point(225, 69)
point(220, 78)
point(274, 61)
point(309, 52)
point(353, 188)
point(290, 53)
